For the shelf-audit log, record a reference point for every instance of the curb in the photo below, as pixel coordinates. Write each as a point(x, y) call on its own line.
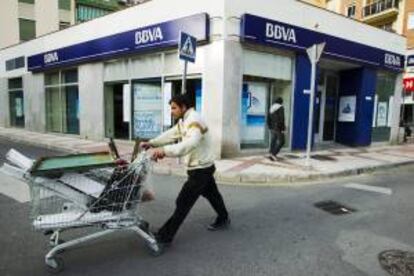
point(38, 144)
point(236, 179)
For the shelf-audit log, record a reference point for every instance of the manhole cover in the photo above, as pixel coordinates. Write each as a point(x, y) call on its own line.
point(334, 208)
point(397, 262)
point(323, 157)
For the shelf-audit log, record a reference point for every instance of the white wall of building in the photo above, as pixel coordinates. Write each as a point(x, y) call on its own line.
point(34, 102)
point(46, 16)
point(27, 11)
point(231, 97)
point(4, 103)
point(91, 101)
point(396, 109)
point(9, 25)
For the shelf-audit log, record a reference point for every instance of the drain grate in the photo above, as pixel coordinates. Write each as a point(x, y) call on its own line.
point(323, 157)
point(397, 262)
point(334, 208)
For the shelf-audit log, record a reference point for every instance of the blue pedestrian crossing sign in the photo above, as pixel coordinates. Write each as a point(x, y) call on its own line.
point(187, 47)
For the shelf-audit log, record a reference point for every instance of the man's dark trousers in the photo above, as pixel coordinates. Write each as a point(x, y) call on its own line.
point(199, 182)
point(277, 142)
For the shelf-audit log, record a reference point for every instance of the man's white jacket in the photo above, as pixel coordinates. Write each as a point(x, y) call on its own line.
point(189, 139)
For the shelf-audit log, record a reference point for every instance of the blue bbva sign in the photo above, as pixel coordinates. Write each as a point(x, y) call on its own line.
point(268, 32)
point(157, 36)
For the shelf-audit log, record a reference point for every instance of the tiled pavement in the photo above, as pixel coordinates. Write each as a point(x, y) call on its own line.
point(256, 170)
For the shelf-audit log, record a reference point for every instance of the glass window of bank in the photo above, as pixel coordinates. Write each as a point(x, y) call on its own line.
point(62, 101)
point(155, 79)
point(16, 102)
point(266, 77)
point(384, 102)
point(151, 109)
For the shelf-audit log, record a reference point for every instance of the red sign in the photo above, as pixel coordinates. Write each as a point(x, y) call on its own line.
point(409, 84)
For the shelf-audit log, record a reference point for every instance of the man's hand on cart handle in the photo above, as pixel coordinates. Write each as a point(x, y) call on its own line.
point(121, 162)
point(157, 154)
point(145, 145)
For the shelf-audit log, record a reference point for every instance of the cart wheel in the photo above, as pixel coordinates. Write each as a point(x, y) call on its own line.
point(153, 248)
point(55, 265)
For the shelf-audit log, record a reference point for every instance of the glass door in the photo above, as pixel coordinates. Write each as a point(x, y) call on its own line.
point(16, 102)
point(62, 101)
point(384, 99)
point(53, 110)
point(72, 109)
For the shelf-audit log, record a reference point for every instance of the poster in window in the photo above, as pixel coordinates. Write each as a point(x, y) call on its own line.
point(19, 107)
point(257, 99)
point(254, 111)
point(148, 105)
point(347, 107)
point(382, 112)
point(147, 96)
point(147, 124)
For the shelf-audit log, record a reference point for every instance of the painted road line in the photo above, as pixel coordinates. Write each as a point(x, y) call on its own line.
point(13, 188)
point(369, 188)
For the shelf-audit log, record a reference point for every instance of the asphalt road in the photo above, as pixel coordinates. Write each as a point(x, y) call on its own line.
point(274, 231)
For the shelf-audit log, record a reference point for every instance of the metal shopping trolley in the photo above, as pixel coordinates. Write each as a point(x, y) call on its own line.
point(97, 192)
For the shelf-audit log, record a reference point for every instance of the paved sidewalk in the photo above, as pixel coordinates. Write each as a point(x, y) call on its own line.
point(256, 170)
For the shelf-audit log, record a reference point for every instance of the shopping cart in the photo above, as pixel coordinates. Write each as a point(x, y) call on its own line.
point(105, 197)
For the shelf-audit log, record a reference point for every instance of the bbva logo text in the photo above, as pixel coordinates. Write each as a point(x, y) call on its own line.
point(392, 60)
point(279, 32)
point(148, 35)
point(51, 57)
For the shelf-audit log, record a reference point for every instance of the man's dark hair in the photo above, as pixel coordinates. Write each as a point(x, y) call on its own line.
point(279, 100)
point(181, 100)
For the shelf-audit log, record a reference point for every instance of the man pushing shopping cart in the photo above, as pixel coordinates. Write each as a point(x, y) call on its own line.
point(191, 140)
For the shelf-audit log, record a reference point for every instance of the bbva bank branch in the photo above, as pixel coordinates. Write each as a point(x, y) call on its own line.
point(113, 76)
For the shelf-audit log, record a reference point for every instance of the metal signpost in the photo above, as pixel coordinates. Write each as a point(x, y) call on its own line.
point(314, 54)
point(187, 52)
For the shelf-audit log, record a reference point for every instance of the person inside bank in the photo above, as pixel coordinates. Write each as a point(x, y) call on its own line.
point(277, 127)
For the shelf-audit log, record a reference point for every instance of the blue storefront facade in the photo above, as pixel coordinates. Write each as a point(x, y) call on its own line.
point(356, 85)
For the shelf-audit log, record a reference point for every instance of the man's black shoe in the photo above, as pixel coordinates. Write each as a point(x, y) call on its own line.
point(159, 247)
point(219, 224)
point(161, 243)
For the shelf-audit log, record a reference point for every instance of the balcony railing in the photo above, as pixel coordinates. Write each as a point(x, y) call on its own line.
point(380, 6)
